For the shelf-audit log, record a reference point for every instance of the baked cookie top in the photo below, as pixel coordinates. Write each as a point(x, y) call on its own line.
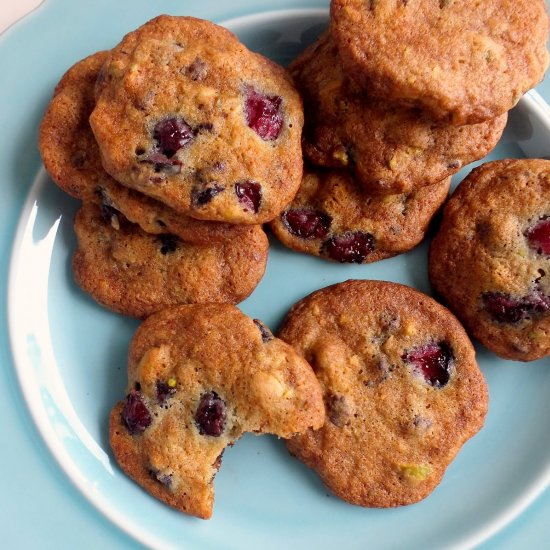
point(335, 218)
point(198, 378)
point(464, 61)
point(188, 115)
point(71, 157)
point(389, 149)
point(136, 273)
point(490, 259)
point(401, 386)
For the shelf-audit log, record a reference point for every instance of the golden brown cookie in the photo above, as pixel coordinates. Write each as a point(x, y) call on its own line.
point(389, 149)
point(464, 61)
point(71, 157)
point(189, 116)
point(490, 259)
point(333, 217)
point(199, 377)
point(137, 273)
point(401, 386)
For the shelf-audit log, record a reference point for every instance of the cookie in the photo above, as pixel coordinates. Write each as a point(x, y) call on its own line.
point(66, 142)
point(187, 115)
point(389, 149)
point(401, 386)
point(199, 377)
point(335, 218)
point(71, 157)
point(136, 273)
point(490, 260)
point(464, 62)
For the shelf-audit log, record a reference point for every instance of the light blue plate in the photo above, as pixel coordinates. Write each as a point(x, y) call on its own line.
point(70, 355)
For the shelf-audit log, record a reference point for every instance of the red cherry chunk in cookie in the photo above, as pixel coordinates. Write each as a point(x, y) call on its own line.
point(210, 414)
point(172, 134)
point(504, 308)
point(135, 413)
point(249, 194)
point(433, 361)
point(349, 247)
point(263, 114)
point(539, 236)
point(307, 224)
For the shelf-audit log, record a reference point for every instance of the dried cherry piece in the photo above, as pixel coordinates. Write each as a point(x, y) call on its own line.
point(504, 308)
point(539, 236)
point(350, 247)
point(433, 361)
point(135, 413)
point(171, 134)
point(210, 414)
point(263, 114)
point(307, 224)
point(206, 195)
point(249, 194)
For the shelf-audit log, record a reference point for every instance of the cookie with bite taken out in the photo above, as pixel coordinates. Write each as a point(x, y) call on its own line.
point(199, 377)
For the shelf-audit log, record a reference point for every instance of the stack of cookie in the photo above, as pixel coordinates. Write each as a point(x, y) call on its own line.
point(398, 96)
point(180, 142)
